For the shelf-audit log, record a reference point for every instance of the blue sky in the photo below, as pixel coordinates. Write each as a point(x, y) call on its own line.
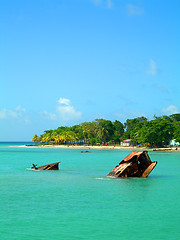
point(64, 62)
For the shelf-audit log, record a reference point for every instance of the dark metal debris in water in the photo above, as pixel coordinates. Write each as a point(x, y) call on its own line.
point(136, 164)
point(52, 166)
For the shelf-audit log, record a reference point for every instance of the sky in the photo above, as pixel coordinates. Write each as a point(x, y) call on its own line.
point(64, 62)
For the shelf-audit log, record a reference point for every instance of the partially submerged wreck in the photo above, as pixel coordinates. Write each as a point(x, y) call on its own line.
point(136, 164)
point(52, 166)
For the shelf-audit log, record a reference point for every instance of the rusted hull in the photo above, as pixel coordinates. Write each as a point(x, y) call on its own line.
point(52, 166)
point(136, 164)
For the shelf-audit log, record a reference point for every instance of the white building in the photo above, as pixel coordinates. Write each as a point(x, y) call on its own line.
point(126, 143)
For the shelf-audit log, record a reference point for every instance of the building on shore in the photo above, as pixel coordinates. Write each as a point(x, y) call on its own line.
point(126, 143)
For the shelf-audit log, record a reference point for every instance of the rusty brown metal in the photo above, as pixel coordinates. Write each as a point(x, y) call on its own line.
point(136, 164)
point(52, 166)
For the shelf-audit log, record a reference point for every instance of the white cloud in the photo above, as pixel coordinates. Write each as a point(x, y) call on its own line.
point(5, 114)
point(152, 68)
point(17, 113)
point(134, 10)
point(65, 112)
point(171, 109)
point(64, 101)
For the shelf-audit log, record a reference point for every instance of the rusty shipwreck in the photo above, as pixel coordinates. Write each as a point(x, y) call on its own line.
point(136, 164)
point(52, 166)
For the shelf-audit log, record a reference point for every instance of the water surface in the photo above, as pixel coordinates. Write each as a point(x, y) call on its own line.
point(79, 202)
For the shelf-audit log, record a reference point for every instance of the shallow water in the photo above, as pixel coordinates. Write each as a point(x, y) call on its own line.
point(79, 202)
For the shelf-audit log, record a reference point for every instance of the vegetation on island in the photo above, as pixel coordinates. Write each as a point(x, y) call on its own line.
point(154, 133)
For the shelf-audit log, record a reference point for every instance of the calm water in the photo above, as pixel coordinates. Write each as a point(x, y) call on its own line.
point(79, 202)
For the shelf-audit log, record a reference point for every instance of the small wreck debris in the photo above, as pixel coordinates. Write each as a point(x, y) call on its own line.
point(52, 166)
point(136, 164)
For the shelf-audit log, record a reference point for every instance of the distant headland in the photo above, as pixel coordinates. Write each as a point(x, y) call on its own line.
point(161, 132)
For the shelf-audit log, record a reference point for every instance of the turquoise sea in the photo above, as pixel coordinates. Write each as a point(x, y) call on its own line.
point(79, 202)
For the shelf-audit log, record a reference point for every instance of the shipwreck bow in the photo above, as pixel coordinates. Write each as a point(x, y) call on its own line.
point(52, 166)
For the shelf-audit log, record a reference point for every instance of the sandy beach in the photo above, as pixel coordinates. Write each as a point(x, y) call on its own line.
point(82, 147)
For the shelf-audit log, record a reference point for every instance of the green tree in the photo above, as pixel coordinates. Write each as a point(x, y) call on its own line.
point(78, 130)
point(102, 134)
point(105, 129)
point(175, 117)
point(89, 131)
point(132, 126)
point(35, 138)
point(157, 132)
point(118, 131)
point(176, 134)
point(176, 122)
point(92, 141)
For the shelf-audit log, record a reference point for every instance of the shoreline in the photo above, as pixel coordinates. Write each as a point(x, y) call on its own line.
point(105, 148)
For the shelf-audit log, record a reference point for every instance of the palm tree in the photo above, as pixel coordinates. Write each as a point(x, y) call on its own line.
point(102, 133)
point(57, 138)
point(46, 137)
point(35, 138)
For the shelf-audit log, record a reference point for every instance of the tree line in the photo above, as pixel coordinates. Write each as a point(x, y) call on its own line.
point(154, 133)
